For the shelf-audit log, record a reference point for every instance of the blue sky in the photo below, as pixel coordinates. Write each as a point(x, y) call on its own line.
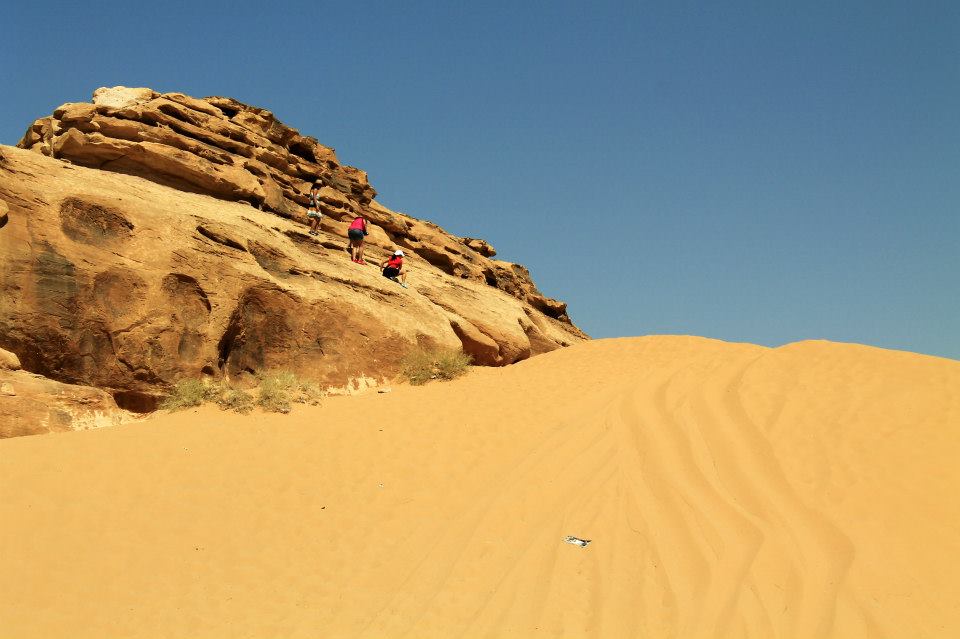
point(750, 171)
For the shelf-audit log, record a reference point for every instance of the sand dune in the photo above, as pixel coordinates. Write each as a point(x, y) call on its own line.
point(729, 490)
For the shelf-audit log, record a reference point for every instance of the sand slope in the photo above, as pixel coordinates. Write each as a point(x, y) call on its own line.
point(730, 491)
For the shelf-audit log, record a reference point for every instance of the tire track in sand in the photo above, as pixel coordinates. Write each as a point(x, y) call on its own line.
point(739, 547)
point(706, 541)
point(747, 468)
point(698, 532)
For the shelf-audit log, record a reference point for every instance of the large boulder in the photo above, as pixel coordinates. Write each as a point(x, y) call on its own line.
point(9, 361)
point(31, 404)
point(119, 97)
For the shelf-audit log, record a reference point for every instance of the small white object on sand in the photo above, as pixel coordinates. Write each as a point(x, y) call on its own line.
point(576, 541)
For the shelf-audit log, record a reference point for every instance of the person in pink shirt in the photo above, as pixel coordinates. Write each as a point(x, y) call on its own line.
point(393, 268)
point(356, 233)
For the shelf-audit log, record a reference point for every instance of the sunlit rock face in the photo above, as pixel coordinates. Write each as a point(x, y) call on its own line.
point(148, 237)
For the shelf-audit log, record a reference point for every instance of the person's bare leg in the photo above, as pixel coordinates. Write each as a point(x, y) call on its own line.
point(360, 252)
point(402, 278)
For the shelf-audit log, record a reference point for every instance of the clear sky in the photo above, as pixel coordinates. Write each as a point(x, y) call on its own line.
point(752, 171)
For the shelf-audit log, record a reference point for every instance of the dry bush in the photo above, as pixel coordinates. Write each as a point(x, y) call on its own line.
point(422, 365)
point(188, 393)
point(236, 400)
point(279, 389)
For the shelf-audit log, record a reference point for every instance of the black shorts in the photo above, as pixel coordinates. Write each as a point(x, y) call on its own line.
point(355, 234)
point(391, 272)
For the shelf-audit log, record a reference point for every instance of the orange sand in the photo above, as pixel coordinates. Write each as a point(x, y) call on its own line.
point(730, 491)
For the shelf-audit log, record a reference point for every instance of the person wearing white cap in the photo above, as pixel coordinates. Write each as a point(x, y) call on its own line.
point(393, 268)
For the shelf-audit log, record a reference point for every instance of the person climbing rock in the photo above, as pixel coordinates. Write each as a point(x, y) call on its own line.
point(356, 233)
point(393, 268)
point(313, 209)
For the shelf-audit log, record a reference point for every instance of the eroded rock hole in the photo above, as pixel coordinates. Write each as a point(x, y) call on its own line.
point(303, 150)
point(185, 292)
point(136, 401)
point(93, 223)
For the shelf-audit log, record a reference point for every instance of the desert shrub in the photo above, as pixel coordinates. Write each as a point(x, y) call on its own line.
point(421, 365)
point(279, 389)
point(452, 364)
point(236, 400)
point(276, 392)
point(188, 393)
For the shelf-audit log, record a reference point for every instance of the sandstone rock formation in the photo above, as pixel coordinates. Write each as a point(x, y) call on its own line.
point(151, 237)
point(237, 152)
point(9, 361)
point(31, 404)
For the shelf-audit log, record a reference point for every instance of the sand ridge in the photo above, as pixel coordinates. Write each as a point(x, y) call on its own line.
point(729, 490)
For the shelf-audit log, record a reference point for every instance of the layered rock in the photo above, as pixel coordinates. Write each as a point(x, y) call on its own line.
point(236, 152)
point(187, 258)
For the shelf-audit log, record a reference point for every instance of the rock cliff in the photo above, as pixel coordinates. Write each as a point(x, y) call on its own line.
point(148, 237)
